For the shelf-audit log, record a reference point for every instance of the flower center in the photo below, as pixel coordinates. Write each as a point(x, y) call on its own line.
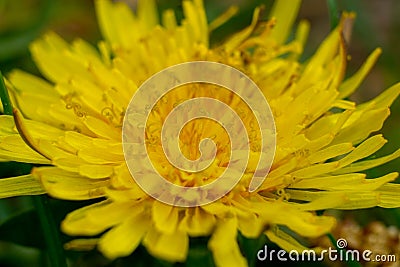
point(194, 132)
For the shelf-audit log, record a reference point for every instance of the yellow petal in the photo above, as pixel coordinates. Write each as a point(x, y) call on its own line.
point(96, 171)
point(85, 221)
point(165, 217)
point(368, 164)
point(68, 185)
point(385, 99)
point(344, 104)
point(56, 61)
point(197, 222)
point(302, 33)
point(329, 181)
point(323, 203)
point(171, 247)
point(74, 163)
point(361, 127)
point(308, 224)
point(147, 14)
point(282, 169)
point(328, 125)
point(348, 182)
point(285, 16)
point(304, 223)
point(224, 246)
point(284, 240)
point(352, 83)
point(330, 152)
point(169, 19)
point(241, 36)
point(7, 125)
point(113, 19)
point(85, 49)
point(315, 170)
point(383, 196)
point(122, 179)
point(124, 238)
point(96, 155)
point(19, 186)
point(389, 196)
point(224, 17)
point(197, 21)
point(13, 148)
point(102, 129)
point(250, 225)
point(218, 208)
point(25, 82)
point(315, 70)
point(365, 149)
point(28, 90)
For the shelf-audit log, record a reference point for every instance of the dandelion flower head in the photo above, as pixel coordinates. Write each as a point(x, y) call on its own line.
point(71, 121)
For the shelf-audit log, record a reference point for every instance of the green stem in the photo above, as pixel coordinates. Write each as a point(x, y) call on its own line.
point(5, 99)
point(334, 16)
point(49, 226)
point(50, 231)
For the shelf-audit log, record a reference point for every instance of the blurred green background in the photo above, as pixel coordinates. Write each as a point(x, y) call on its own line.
point(21, 21)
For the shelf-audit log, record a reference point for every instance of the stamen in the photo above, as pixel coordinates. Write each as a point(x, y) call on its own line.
point(73, 105)
point(109, 113)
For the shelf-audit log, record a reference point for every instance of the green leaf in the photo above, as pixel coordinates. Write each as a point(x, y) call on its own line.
point(4, 97)
point(199, 255)
point(25, 228)
point(250, 247)
point(334, 14)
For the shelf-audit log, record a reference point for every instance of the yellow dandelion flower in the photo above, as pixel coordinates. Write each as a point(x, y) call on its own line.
point(72, 123)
